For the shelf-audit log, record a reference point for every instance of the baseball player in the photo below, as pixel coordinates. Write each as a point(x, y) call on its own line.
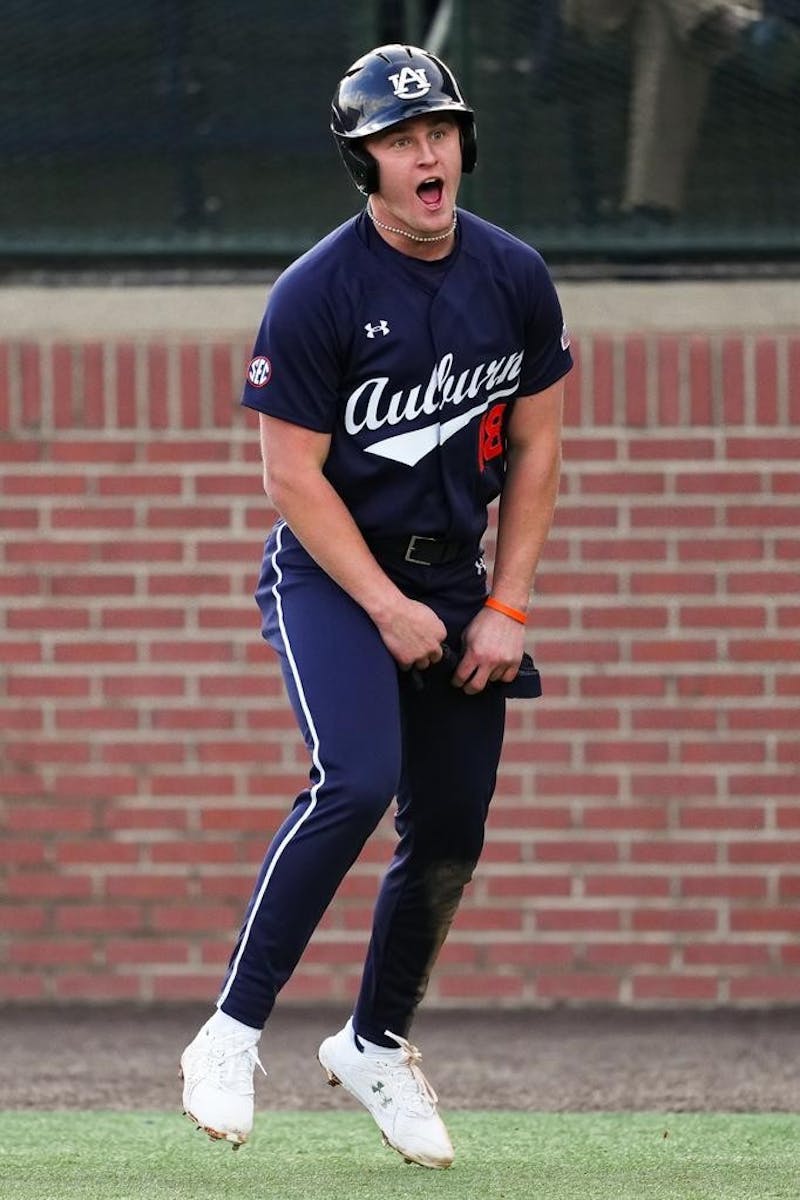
point(408, 370)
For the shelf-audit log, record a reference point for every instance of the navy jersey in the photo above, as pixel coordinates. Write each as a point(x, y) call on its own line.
point(411, 367)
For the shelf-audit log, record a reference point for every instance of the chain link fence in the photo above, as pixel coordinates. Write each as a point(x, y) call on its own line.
point(183, 130)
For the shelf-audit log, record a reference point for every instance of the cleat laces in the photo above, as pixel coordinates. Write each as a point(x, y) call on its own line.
point(414, 1091)
point(231, 1063)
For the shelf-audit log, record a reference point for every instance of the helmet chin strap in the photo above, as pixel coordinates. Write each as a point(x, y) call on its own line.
point(414, 237)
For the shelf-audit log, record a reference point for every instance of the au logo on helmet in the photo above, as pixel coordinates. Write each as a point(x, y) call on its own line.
point(410, 83)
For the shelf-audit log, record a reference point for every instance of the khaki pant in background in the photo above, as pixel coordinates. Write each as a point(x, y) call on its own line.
point(671, 71)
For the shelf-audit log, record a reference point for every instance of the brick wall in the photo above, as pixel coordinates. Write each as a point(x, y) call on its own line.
point(644, 844)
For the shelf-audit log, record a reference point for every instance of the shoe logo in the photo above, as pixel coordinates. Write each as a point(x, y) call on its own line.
point(384, 1100)
point(382, 328)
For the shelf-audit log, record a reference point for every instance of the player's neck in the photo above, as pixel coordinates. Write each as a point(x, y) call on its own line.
point(411, 242)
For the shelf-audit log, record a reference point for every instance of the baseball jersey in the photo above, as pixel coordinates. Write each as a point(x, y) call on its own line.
point(411, 367)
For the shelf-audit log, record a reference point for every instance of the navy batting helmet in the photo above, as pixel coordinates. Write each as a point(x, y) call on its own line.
point(389, 85)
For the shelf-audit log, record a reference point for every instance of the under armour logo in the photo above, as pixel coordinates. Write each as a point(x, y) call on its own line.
point(382, 327)
point(410, 83)
point(380, 1095)
point(480, 565)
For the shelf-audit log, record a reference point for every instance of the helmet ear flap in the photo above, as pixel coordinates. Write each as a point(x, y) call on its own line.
point(469, 145)
point(361, 166)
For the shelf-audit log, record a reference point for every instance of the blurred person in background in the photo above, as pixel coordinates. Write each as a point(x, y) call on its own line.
point(675, 46)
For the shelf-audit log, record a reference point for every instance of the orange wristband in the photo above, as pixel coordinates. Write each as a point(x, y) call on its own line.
point(506, 610)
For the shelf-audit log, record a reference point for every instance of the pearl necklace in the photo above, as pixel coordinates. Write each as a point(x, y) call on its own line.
point(414, 237)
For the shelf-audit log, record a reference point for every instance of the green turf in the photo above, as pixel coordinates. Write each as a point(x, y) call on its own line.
point(338, 1156)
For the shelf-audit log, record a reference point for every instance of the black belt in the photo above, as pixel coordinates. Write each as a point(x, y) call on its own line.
point(422, 550)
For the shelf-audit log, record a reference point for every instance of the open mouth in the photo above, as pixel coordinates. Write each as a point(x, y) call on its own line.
point(430, 192)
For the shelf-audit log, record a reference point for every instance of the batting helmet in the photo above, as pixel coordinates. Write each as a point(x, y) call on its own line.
point(388, 85)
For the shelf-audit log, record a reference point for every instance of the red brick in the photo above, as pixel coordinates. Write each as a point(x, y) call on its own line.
point(51, 818)
point(45, 619)
point(98, 918)
point(603, 381)
point(722, 752)
point(764, 582)
point(190, 386)
point(91, 412)
point(626, 885)
point(793, 353)
point(622, 483)
point(128, 483)
point(766, 366)
point(584, 447)
point(581, 986)
point(659, 516)
point(760, 448)
point(718, 482)
point(153, 951)
point(193, 451)
point(720, 816)
point(95, 986)
point(662, 448)
point(17, 986)
point(682, 989)
point(157, 386)
point(766, 990)
point(627, 617)
point(628, 954)
point(575, 920)
point(721, 549)
point(700, 382)
point(79, 452)
point(225, 384)
point(120, 517)
point(146, 886)
point(725, 954)
point(44, 484)
point(30, 385)
point(636, 390)
point(765, 920)
point(733, 375)
point(785, 850)
point(674, 920)
point(672, 583)
point(125, 369)
point(674, 650)
point(669, 380)
point(675, 850)
point(44, 953)
point(518, 887)
point(54, 886)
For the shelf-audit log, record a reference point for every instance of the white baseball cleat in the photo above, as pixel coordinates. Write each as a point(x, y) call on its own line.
point(394, 1091)
point(218, 1095)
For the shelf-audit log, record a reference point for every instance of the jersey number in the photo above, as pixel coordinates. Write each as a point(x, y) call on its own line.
point(490, 435)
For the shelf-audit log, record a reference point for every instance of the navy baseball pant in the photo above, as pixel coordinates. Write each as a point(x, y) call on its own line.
point(374, 733)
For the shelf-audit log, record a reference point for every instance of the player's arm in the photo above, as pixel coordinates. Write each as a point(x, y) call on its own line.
point(293, 459)
point(493, 642)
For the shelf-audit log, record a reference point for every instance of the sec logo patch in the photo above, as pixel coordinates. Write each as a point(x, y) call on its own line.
point(259, 372)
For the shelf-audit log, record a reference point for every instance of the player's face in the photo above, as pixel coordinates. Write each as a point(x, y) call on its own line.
point(419, 170)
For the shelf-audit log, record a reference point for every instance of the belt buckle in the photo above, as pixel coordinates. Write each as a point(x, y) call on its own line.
point(411, 547)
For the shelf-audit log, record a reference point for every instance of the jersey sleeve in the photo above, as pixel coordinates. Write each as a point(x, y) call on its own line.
point(547, 354)
point(294, 370)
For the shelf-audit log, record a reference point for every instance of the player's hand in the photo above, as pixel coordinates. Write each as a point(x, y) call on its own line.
point(492, 651)
point(413, 635)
